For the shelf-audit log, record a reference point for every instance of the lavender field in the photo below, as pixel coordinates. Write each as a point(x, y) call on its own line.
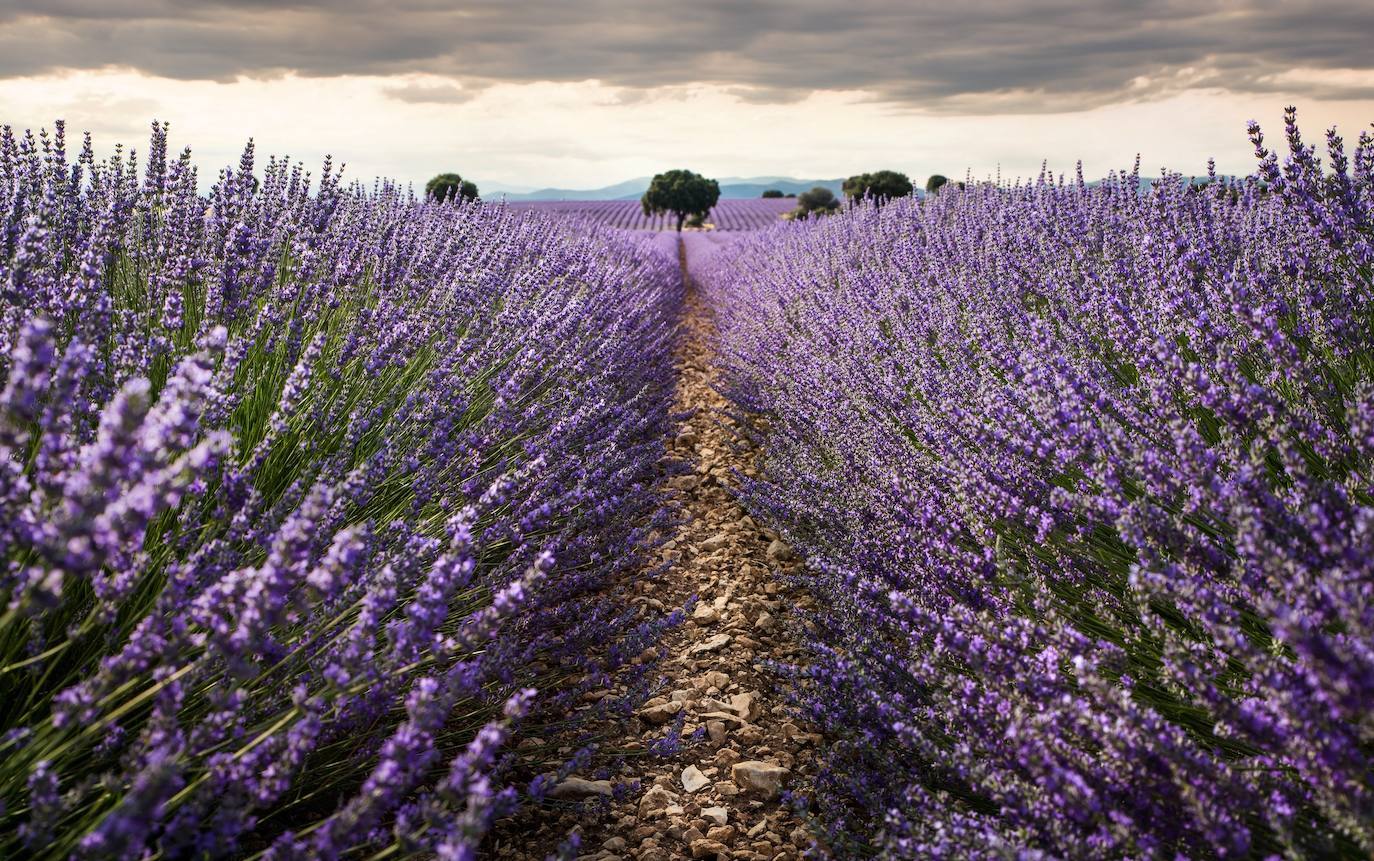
point(1083, 481)
point(308, 493)
point(342, 524)
point(729, 215)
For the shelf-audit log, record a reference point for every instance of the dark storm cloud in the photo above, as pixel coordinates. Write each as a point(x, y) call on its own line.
point(1007, 54)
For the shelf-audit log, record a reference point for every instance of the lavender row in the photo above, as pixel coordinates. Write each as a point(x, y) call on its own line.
point(307, 493)
point(729, 215)
point(1083, 480)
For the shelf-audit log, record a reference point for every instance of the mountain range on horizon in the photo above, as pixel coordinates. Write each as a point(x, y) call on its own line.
point(731, 188)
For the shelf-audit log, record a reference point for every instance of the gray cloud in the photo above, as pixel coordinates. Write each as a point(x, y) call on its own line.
point(1002, 55)
point(440, 94)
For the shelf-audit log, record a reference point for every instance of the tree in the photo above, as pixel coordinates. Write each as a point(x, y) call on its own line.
point(933, 184)
point(879, 185)
point(818, 201)
point(449, 186)
point(772, 193)
point(682, 193)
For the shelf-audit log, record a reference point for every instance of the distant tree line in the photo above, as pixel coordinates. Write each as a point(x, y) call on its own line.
point(689, 197)
point(818, 201)
point(879, 186)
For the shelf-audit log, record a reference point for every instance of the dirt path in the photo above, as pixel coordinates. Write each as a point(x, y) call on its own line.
point(719, 796)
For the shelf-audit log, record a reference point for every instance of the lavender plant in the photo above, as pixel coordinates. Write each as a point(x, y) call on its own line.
point(1083, 480)
point(306, 495)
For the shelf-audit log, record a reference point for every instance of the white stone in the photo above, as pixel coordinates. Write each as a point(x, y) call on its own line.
point(693, 779)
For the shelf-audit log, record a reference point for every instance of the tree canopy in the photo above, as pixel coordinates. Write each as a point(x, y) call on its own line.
point(772, 192)
point(818, 201)
point(933, 184)
point(880, 185)
point(449, 186)
point(681, 192)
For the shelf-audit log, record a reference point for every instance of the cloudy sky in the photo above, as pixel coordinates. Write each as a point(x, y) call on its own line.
point(580, 93)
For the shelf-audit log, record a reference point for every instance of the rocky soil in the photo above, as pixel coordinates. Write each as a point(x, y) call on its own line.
point(720, 796)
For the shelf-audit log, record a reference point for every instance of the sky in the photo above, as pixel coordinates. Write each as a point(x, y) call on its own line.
point(584, 93)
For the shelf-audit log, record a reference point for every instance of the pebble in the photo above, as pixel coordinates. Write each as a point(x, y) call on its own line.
point(715, 542)
point(717, 679)
point(661, 713)
point(709, 849)
point(763, 779)
point(714, 644)
point(747, 706)
point(693, 779)
point(577, 787)
point(722, 833)
point(779, 552)
point(715, 730)
point(718, 815)
point(655, 800)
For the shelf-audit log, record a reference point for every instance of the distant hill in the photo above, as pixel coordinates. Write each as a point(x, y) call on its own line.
point(731, 188)
point(734, 187)
point(630, 188)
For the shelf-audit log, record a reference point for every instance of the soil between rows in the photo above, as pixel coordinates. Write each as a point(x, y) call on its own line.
point(720, 795)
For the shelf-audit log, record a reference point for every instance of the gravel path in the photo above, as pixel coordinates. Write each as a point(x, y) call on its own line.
point(719, 796)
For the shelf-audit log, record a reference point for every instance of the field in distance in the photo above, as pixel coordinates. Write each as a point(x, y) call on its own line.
point(628, 214)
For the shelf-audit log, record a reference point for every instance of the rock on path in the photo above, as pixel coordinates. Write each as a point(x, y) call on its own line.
point(719, 797)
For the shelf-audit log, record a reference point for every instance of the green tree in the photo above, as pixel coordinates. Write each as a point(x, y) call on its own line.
point(449, 186)
point(880, 185)
point(771, 193)
point(681, 192)
point(818, 201)
point(933, 184)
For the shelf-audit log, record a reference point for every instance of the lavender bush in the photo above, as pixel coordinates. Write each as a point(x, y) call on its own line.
point(306, 493)
point(1083, 478)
